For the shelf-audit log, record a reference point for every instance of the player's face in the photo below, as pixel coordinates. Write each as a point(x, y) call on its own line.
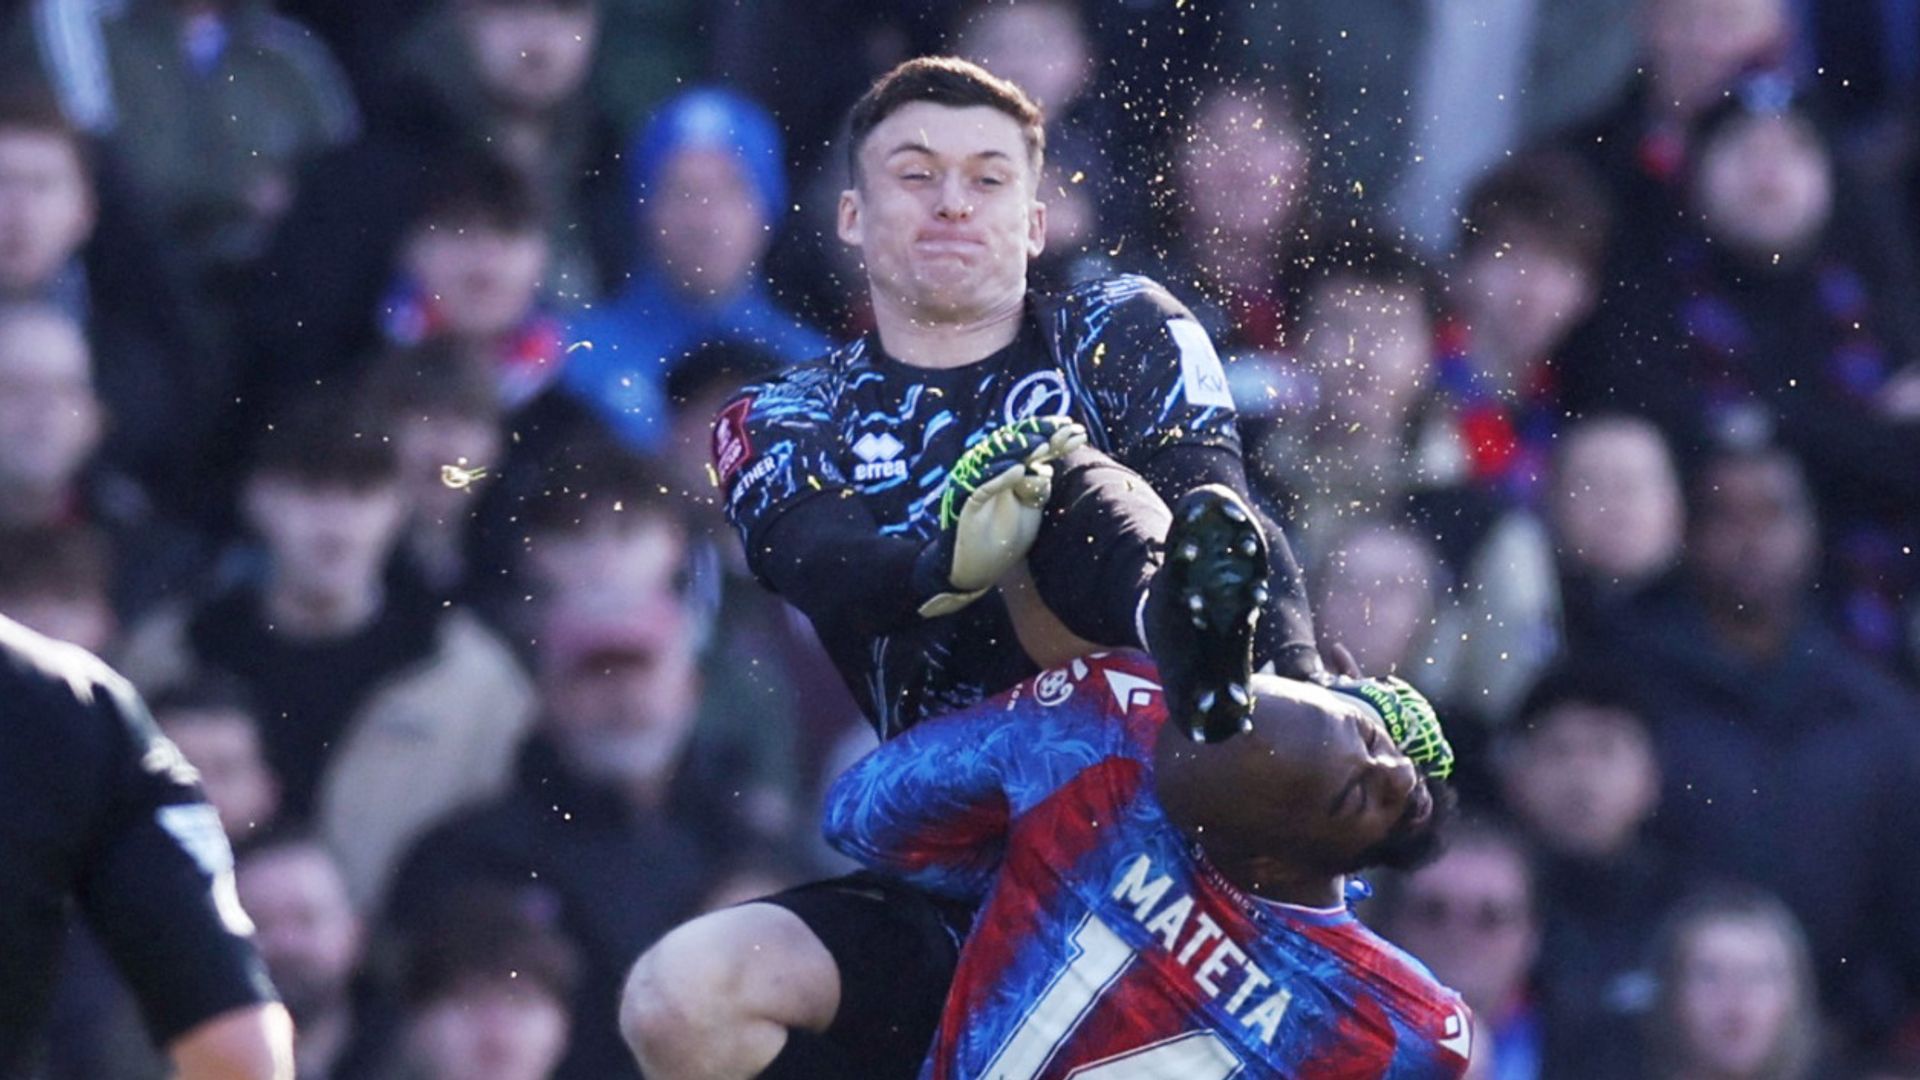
point(946, 213)
point(1335, 783)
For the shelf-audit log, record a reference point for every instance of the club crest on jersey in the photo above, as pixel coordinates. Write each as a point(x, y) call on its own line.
point(731, 447)
point(1053, 687)
point(879, 455)
point(1042, 393)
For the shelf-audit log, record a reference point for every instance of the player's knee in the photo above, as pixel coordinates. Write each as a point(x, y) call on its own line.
point(703, 992)
point(671, 996)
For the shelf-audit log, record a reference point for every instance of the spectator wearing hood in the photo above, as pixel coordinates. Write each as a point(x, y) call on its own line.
point(709, 178)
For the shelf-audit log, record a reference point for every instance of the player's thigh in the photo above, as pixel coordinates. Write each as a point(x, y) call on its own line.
point(754, 961)
point(1099, 546)
point(895, 949)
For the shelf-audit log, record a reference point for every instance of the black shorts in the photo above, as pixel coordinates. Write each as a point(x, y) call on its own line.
point(896, 948)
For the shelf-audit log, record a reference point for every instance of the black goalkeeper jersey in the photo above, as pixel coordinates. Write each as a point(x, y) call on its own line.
point(98, 810)
point(1121, 356)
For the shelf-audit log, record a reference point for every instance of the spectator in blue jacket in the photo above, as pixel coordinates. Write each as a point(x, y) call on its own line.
point(709, 176)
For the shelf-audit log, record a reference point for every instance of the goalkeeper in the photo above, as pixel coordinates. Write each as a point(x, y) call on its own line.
point(833, 473)
point(985, 451)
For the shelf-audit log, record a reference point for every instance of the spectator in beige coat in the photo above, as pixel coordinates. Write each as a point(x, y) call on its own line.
point(381, 710)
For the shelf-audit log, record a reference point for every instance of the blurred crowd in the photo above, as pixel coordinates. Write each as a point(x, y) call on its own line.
point(356, 364)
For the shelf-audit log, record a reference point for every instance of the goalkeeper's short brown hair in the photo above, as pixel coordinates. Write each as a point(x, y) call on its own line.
point(943, 80)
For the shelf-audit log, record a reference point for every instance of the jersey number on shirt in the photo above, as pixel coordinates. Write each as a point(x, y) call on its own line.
point(1099, 957)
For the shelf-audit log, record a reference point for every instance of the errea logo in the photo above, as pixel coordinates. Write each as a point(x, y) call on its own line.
point(878, 454)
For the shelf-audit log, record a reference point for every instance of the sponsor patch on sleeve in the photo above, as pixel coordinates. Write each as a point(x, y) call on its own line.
point(196, 828)
point(731, 447)
point(1204, 380)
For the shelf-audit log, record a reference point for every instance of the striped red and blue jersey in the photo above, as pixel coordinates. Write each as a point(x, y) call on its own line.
point(1107, 947)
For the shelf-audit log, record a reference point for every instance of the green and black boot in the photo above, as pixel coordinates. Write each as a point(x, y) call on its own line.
point(1202, 609)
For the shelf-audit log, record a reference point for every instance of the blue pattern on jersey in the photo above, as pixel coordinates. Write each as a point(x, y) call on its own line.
point(1104, 931)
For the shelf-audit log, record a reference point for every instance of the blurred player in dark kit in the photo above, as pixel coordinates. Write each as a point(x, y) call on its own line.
point(101, 810)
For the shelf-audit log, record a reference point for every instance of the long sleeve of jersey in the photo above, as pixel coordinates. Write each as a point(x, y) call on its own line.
point(933, 805)
point(806, 535)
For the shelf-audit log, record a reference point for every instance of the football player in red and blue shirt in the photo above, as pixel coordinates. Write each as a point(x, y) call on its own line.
point(1157, 907)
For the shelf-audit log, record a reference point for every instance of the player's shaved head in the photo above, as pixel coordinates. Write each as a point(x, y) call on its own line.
point(1315, 790)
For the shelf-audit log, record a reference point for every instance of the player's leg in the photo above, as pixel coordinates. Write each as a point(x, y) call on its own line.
point(840, 978)
point(1097, 565)
point(1098, 547)
point(1203, 608)
point(716, 997)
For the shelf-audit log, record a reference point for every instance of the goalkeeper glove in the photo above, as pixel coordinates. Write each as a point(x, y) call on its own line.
point(1411, 721)
point(991, 509)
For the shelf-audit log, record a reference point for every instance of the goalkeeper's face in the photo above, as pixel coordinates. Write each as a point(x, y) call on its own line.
point(945, 211)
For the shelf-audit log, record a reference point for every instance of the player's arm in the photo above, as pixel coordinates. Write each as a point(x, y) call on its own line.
point(930, 805)
point(1174, 422)
point(812, 540)
point(254, 1042)
point(158, 892)
point(934, 804)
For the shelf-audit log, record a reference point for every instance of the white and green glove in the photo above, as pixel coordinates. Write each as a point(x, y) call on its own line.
point(990, 512)
point(1411, 721)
